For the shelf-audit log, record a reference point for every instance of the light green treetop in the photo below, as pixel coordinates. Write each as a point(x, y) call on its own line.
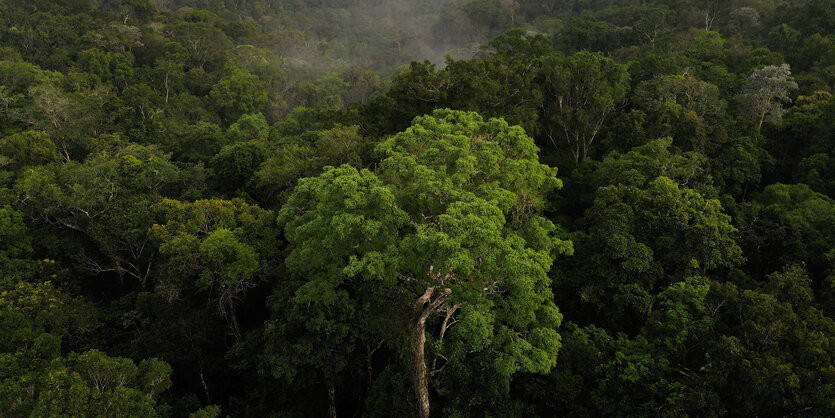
point(446, 232)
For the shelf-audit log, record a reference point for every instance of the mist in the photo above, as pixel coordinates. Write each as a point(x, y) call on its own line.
point(379, 35)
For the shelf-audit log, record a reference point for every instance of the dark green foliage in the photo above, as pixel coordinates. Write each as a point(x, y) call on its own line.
point(350, 208)
point(237, 93)
point(236, 163)
point(447, 227)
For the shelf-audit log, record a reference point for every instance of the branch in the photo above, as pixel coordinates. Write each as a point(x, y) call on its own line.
point(432, 306)
point(438, 370)
point(444, 326)
point(424, 298)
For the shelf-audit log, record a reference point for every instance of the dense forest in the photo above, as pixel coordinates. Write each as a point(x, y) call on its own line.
point(396, 208)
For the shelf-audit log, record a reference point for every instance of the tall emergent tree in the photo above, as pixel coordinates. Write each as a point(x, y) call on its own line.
point(581, 91)
point(441, 252)
point(766, 90)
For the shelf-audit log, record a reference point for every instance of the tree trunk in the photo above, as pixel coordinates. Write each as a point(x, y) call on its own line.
point(166, 88)
point(233, 325)
point(369, 370)
point(119, 271)
point(369, 367)
point(331, 399)
point(205, 386)
point(424, 307)
point(762, 119)
point(421, 374)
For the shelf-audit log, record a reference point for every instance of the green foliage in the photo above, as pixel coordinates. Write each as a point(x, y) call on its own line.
point(451, 211)
point(93, 382)
point(581, 91)
point(639, 241)
point(239, 92)
point(106, 199)
point(16, 244)
point(765, 91)
point(790, 223)
point(235, 164)
point(688, 109)
point(34, 379)
point(305, 155)
point(678, 315)
point(211, 411)
point(637, 167)
point(220, 247)
point(192, 143)
point(168, 191)
point(27, 149)
point(247, 128)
